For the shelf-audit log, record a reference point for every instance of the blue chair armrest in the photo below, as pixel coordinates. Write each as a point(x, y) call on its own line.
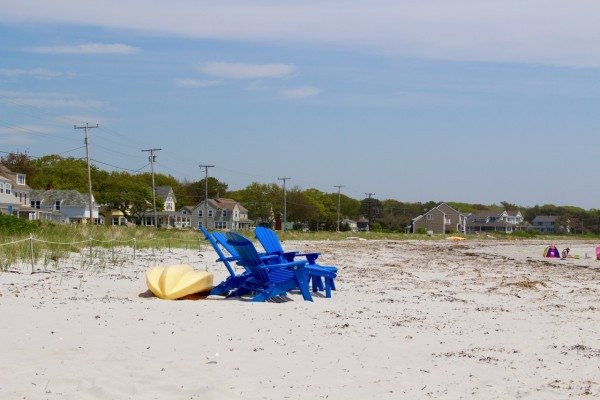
point(292, 265)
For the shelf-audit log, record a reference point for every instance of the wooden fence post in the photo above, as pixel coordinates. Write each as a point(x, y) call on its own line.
point(31, 251)
point(91, 251)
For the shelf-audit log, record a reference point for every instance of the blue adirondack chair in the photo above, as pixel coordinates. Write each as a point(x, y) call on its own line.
point(234, 280)
point(267, 280)
point(316, 273)
point(270, 242)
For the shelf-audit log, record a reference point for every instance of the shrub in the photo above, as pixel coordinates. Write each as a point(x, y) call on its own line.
point(10, 225)
point(422, 231)
point(525, 234)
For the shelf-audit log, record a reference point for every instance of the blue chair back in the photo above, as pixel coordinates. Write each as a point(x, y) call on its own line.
point(269, 240)
point(222, 240)
point(222, 258)
point(249, 257)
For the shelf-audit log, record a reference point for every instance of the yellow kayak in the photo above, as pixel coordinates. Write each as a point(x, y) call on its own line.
point(177, 281)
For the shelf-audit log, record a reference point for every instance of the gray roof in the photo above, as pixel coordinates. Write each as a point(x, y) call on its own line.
point(545, 218)
point(12, 176)
point(228, 204)
point(163, 191)
point(66, 197)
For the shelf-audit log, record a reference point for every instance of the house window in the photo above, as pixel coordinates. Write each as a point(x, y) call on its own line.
point(35, 204)
point(199, 213)
point(224, 213)
point(235, 214)
point(200, 224)
point(220, 225)
point(8, 188)
point(57, 205)
point(1, 187)
point(210, 213)
point(184, 212)
point(20, 179)
point(429, 217)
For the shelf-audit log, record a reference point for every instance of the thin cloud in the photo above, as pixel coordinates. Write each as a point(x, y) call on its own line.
point(47, 100)
point(548, 32)
point(22, 134)
point(66, 120)
point(300, 92)
point(37, 73)
point(88, 48)
point(195, 83)
point(246, 71)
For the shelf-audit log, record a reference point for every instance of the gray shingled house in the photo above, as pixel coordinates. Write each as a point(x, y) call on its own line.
point(441, 219)
point(70, 204)
point(221, 214)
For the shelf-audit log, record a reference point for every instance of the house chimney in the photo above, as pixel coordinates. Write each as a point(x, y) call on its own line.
point(49, 186)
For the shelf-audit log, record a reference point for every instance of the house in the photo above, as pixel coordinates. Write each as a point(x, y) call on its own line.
point(495, 221)
point(63, 205)
point(184, 217)
point(547, 224)
point(8, 201)
point(167, 217)
point(112, 216)
point(166, 194)
point(362, 225)
point(350, 224)
point(440, 219)
point(14, 184)
point(221, 213)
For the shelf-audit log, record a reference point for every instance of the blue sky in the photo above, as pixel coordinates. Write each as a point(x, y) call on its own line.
point(470, 101)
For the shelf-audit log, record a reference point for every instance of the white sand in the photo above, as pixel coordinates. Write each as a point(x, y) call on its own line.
point(410, 320)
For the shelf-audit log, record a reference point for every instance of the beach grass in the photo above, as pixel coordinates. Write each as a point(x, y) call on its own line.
point(52, 242)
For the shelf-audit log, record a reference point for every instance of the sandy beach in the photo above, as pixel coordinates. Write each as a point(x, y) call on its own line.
point(411, 319)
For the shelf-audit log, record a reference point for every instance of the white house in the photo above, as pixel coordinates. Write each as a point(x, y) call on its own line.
point(71, 204)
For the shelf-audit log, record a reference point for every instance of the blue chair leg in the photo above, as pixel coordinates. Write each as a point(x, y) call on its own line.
point(301, 277)
point(328, 283)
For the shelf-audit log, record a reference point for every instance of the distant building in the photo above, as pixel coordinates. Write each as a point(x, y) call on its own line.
point(440, 219)
point(495, 221)
point(548, 224)
point(362, 225)
point(222, 213)
point(63, 205)
point(14, 194)
point(167, 217)
point(351, 224)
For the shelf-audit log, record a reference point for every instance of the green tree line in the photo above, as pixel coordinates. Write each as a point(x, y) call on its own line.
point(132, 194)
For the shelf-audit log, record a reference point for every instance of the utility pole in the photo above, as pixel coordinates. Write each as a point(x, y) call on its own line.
point(85, 128)
point(339, 188)
point(369, 207)
point(152, 159)
point(205, 218)
point(284, 179)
